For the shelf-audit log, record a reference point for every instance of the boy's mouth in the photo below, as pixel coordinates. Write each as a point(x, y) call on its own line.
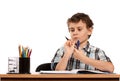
point(75, 38)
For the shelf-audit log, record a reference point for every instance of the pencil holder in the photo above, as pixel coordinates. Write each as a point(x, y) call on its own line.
point(24, 65)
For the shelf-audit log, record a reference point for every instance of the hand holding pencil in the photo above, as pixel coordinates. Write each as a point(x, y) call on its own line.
point(77, 44)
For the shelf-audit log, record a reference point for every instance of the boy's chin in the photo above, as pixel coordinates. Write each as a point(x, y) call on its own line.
point(76, 40)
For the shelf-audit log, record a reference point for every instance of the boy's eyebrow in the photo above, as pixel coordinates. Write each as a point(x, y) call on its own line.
point(79, 27)
point(73, 27)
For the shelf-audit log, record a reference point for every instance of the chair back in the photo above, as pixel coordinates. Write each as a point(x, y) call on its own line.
point(45, 67)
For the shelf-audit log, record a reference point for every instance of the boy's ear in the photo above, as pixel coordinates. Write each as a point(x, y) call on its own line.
point(90, 30)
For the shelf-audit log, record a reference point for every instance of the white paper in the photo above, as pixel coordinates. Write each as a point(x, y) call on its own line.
point(75, 71)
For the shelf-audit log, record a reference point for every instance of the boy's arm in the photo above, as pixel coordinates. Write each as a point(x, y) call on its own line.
point(101, 65)
point(69, 48)
point(62, 63)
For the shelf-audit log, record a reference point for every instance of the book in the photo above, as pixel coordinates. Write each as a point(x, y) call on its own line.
point(75, 71)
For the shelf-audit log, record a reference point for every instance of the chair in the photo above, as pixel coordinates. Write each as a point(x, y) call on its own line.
point(45, 67)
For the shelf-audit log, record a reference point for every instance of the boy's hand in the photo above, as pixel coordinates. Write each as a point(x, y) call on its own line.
point(78, 54)
point(69, 48)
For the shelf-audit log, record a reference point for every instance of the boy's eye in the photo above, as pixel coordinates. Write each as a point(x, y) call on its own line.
point(79, 29)
point(72, 30)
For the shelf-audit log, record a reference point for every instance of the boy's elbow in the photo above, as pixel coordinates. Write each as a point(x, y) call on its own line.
point(111, 68)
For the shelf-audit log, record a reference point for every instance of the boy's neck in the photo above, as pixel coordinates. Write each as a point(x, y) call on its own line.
point(83, 44)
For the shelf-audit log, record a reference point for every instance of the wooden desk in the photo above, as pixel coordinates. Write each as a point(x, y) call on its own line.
point(59, 77)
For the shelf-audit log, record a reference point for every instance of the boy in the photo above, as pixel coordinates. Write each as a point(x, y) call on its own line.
point(86, 57)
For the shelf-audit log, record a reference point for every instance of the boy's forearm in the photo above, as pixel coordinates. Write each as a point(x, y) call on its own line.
point(101, 65)
point(62, 63)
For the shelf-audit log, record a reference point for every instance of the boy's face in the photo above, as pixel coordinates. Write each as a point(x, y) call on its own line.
point(79, 31)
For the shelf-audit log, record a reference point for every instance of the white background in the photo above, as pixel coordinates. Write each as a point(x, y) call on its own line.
point(41, 25)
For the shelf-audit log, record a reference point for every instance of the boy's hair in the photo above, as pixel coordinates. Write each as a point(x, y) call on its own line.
point(81, 16)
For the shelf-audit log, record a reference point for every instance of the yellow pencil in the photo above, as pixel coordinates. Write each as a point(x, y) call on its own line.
point(20, 50)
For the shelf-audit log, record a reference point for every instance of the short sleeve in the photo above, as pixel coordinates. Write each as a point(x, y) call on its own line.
point(103, 56)
point(58, 55)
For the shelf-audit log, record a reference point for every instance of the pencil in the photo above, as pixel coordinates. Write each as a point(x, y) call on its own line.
point(66, 38)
